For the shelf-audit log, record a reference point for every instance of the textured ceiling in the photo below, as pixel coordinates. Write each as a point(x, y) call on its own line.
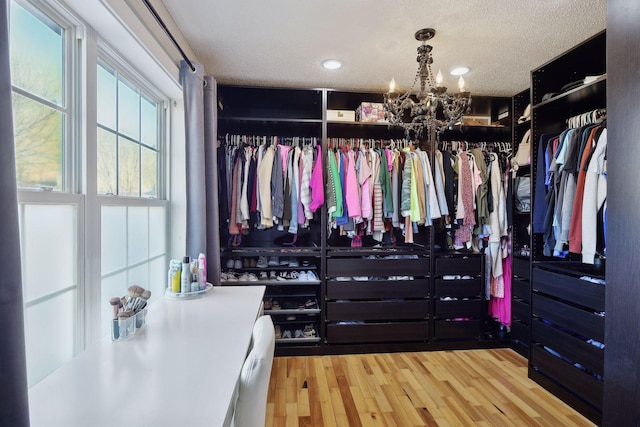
point(282, 42)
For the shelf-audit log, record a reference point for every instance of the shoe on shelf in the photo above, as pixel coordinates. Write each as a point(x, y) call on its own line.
point(293, 262)
point(291, 317)
point(272, 275)
point(293, 275)
point(286, 334)
point(230, 263)
point(252, 262)
point(245, 263)
point(299, 333)
point(309, 331)
point(275, 305)
point(282, 276)
point(303, 276)
point(311, 304)
point(278, 332)
point(305, 262)
point(284, 261)
point(231, 277)
point(237, 264)
point(311, 276)
point(262, 262)
point(267, 303)
point(249, 277)
point(274, 261)
point(263, 275)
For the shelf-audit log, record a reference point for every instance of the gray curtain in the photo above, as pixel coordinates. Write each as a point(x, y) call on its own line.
point(14, 400)
point(199, 93)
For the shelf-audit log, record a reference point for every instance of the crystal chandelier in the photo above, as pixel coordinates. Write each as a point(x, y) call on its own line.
point(430, 108)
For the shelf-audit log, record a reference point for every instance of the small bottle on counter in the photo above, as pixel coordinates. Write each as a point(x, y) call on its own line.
point(173, 279)
point(185, 278)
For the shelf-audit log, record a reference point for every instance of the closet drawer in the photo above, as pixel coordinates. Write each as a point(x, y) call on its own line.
point(349, 267)
point(520, 332)
point(461, 265)
point(467, 308)
point(520, 311)
point(574, 319)
point(574, 349)
point(378, 289)
point(569, 288)
point(521, 268)
point(377, 310)
point(377, 332)
point(459, 288)
point(579, 382)
point(521, 289)
point(462, 329)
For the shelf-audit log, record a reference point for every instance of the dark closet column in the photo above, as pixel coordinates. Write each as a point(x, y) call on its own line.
point(622, 352)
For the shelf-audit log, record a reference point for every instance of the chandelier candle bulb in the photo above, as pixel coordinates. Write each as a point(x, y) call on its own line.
point(392, 85)
point(439, 78)
point(461, 84)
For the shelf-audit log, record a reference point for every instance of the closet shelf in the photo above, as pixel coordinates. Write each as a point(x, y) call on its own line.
point(575, 268)
point(297, 340)
point(271, 282)
point(293, 311)
point(257, 251)
point(386, 250)
point(579, 93)
point(270, 120)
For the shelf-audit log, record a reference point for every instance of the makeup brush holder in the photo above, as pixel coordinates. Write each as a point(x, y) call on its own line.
point(125, 328)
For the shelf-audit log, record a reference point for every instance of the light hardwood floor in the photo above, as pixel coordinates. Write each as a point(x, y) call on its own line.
point(439, 388)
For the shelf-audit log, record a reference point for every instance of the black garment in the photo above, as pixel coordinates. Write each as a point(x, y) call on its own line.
point(223, 205)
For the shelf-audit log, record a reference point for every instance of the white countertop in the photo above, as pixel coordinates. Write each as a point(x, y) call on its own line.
point(181, 370)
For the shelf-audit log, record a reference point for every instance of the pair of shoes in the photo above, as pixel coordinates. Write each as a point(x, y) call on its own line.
point(248, 277)
point(310, 304)
point(305, 263)
point(274, 261)
point(298, 333)
point(278, 332)
point(275, 305)
point(286, 334)
point(263, 275)
point(249, 263)
point(293, 262)
point(284, 261)
point(308, 276)
point(230, 263)
point(267, 303)
point(228, 277)
point(262, 262)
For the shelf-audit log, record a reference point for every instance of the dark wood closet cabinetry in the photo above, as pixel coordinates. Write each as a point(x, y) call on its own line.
point(375, 296)
point(567, 297)
point(521, 229)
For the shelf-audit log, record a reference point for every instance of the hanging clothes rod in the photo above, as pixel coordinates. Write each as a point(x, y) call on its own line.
point(166, 30)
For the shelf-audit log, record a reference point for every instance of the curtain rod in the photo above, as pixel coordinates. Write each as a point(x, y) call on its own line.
point(166, 30)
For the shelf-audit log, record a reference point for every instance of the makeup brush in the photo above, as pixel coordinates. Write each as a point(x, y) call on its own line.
point(116, 303)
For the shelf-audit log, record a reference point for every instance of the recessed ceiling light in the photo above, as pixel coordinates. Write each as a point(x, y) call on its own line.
point(331, 64)
point(459, 71)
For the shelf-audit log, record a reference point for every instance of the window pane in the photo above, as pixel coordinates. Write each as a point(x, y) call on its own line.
point(137, 234)
point(107, 166)
point(157, 277)
point(128, 110)
point(50, 335)
point(157, 231)
point(37, 55)
point(149, 172)
point(128, 168)
point(149, 111)
point(113, 246)
point(106, 97)
point(49, 247)
point(39, 139)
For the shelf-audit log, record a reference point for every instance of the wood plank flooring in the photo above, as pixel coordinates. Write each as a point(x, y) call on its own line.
point(439, 388)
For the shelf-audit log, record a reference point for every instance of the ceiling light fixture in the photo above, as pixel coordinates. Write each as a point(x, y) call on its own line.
point(331, 64)
point(459, 71)
point(428, 106)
